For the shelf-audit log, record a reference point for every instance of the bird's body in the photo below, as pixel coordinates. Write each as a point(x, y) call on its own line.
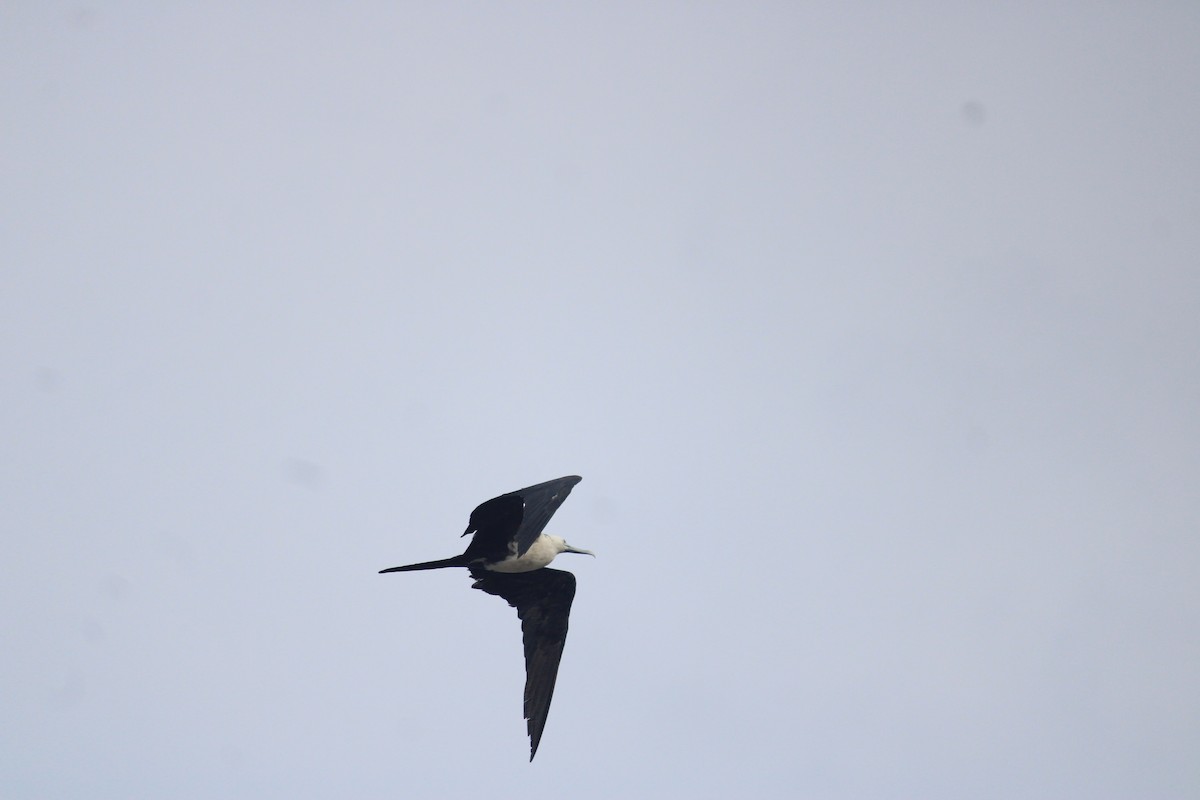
point(540, 554)
point(507, 557)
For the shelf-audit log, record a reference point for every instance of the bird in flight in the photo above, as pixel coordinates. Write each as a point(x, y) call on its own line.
point(507, 557)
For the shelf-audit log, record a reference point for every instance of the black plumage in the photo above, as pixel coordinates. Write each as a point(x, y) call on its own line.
point(507, 557)
point(509, 524)
point(506, 526)
point(542, 599)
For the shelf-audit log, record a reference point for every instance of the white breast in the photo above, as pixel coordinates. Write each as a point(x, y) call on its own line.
point(540, 553)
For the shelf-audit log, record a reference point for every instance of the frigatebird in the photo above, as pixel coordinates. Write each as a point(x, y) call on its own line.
point(507, 557)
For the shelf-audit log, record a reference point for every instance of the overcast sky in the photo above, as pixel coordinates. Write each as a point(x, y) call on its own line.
point(873, 330)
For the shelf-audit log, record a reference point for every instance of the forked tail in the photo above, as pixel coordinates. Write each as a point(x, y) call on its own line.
point(456, 561)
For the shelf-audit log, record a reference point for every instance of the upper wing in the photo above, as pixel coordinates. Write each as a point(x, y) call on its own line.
point(543, 602)
point(516, 517)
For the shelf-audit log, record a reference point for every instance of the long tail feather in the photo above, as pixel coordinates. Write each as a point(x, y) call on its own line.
point(456, 561)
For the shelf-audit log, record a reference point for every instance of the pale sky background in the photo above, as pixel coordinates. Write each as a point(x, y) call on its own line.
point(874, 331)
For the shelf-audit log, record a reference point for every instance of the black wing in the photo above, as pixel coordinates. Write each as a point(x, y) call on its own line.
point(543, 602)
point(517, 517)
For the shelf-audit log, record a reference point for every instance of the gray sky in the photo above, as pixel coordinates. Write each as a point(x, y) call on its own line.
point(872, 330)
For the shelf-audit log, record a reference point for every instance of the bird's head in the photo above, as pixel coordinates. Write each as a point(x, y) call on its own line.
point(561, 546)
